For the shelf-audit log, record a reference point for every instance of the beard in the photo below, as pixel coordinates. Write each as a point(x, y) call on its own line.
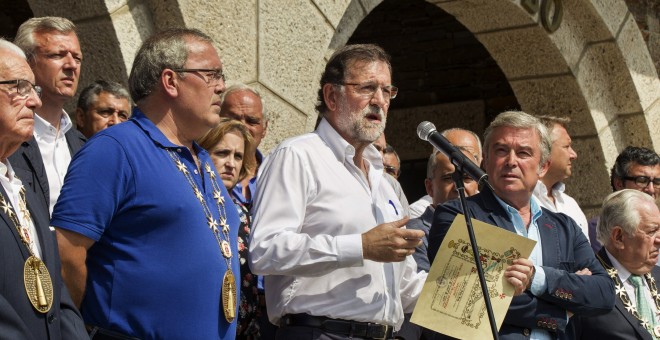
point(357, 126)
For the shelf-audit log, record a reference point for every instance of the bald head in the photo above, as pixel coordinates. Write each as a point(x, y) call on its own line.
point(245, 104)
point(439, 184)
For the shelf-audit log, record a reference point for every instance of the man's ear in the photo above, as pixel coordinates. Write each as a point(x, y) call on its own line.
point(330, 95)
point(618, 183)
point(80, 118)
point(169, 80)
point(616, 238)
point(263, 134)
point(428, 184)
point(544, 168)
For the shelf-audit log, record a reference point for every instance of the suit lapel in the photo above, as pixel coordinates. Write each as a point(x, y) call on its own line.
point(497, 214)
point(74, 140)
point(549, 241)
point(619, 306)
point(33, 155)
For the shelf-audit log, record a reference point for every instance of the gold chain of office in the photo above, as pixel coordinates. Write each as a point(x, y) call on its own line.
point(36, 278)
point(228, 281)
point(623, 295)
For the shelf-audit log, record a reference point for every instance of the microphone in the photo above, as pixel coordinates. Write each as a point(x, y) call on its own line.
point(426, 131)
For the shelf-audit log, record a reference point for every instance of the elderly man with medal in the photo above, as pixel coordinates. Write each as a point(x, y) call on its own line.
point(34, 302)
point(629, 229)
point(147, 232)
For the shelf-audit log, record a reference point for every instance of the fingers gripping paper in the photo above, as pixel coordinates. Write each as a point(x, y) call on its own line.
point(452, 302)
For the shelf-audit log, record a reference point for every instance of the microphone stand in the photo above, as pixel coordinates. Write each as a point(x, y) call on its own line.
point(457, 176)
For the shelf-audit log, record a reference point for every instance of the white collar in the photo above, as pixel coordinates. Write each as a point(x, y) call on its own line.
point(43, 127)
point(623, 273)
point(343, 150)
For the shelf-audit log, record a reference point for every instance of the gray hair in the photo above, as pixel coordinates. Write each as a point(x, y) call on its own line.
point(520, 120)
point(166, 49)
point(242, 87)
point(25, 34)
point(551, 121)
point(433, 161)
point(90, 93)
point(8, 45)
point(620, 208)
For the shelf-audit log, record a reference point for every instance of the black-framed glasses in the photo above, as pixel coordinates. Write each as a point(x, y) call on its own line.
point(643, 181)
point(368, 90)
point(211, 77)
point(23, 87)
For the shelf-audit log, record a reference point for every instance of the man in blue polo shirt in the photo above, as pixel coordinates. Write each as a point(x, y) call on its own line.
point(146, 229)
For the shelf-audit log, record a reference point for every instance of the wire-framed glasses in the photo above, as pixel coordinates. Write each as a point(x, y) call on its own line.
point(23, 87)
point(211, 77)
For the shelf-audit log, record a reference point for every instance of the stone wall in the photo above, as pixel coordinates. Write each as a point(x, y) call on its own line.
point(647, 16)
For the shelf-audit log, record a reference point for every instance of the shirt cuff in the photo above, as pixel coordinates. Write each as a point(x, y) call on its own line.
point(350, 250)
point(538, 283)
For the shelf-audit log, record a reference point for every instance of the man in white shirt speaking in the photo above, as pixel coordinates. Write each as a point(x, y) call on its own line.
point(328, 230)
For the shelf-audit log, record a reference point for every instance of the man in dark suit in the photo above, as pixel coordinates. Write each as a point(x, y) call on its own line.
point(29, 309)
point(628, 228)
point(562, 277)
point(53, 51)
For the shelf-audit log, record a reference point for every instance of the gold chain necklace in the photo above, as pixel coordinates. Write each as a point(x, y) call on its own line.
point(621, 292)
point(36, 278)
point(228, 281)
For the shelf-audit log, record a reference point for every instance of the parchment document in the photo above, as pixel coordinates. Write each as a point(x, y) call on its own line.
point(452, 301)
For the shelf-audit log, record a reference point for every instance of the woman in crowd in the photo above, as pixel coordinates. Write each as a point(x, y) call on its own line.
point(232, 150)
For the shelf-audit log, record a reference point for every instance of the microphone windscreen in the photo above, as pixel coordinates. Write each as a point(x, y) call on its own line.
point(424, 129)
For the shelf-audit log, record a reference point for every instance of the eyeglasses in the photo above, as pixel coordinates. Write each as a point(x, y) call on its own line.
point(23, 87)
point(391, 170)
point(211, 77)
point(368, 90)
point(643, 181)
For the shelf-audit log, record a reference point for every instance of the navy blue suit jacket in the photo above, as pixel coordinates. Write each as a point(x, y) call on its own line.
point(29, 165)
point(18, 319)
point(565, 251)
point(617, 324)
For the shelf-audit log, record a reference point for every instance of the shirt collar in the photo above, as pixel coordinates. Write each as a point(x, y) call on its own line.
point(4, 169)
point(343, 150)
point(7, 173)
point(533, 205)
point(541, 190)
point(42, 127)
point(623, 273)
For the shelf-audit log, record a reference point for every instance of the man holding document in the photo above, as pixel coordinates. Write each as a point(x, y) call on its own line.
point(561, 277)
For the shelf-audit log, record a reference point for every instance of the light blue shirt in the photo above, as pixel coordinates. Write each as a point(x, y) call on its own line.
point(539, 284)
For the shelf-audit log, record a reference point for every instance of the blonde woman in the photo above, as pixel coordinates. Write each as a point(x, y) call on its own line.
point(232, 150)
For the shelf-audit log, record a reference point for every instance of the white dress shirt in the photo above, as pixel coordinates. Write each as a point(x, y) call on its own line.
point(419, 206)
point(12, 186)
point(563, 204)
point(54, 152)
point(311, 206)
point(624, 274)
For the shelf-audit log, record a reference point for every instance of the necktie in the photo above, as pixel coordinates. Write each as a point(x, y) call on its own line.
point(643, 307)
